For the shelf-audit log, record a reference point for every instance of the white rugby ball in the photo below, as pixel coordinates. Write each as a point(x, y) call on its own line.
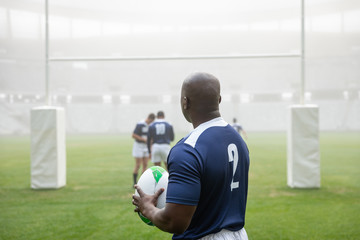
point(150, 182)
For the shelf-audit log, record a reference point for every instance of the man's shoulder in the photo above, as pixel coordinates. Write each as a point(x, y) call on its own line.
point(141, 122)
point(181, 149)
point(194, 136)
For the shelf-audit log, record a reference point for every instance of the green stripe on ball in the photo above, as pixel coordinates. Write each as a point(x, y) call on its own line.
point(157, 172)
point(145, 220)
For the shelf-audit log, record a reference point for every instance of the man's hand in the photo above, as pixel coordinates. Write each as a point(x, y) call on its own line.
point(173, 218)
point(146, 204)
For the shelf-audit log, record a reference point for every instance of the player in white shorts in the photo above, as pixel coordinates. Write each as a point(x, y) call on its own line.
point(160, 134)
point(140, 151)
point(239, 128)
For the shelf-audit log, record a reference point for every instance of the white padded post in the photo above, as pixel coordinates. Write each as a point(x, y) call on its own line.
point(303, 154)
point(48, 151)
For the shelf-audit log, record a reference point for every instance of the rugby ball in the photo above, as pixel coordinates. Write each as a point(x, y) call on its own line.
point(150, 182)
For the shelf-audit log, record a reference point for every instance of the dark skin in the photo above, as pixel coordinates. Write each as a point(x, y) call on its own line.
point(200, 99)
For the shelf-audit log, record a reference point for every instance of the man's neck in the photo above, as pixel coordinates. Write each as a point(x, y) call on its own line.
point(201, 119)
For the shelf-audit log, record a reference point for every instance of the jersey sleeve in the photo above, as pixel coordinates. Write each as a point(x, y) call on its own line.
point(149, 138)
point(137, 129)
point(184, 177)
point(172, 135)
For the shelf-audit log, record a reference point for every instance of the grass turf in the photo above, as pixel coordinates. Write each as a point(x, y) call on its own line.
point(96, 202)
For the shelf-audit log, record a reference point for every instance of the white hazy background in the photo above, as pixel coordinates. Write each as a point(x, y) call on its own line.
point(111, 96)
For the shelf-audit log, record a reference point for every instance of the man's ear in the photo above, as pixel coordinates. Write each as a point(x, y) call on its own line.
point(186, 103)
point(219, 99)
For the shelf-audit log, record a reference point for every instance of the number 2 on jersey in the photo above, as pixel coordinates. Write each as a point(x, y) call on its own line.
point(233, 157)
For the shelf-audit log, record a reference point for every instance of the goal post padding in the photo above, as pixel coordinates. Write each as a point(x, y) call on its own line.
point(48, 148)
point(303, 153)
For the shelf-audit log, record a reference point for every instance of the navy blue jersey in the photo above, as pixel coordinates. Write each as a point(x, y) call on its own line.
point(141, 129)
point(209, 169)
point(160, 131)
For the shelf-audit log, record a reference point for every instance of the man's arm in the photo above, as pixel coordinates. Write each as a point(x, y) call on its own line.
point(139, 138)
point(172, 135)
point(149, 140)
point(173, 218)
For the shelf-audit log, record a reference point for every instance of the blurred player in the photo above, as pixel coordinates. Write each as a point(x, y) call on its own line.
point(239, 128)
point(140, 151)
point(160, 135)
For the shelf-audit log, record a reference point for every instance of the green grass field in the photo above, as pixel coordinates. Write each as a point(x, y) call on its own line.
point(96, 202)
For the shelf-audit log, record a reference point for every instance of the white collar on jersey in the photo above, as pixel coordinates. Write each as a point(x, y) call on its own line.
point(195, 134)
point(160, 120)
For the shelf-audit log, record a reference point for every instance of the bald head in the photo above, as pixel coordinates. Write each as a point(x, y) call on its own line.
point(200, 97)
